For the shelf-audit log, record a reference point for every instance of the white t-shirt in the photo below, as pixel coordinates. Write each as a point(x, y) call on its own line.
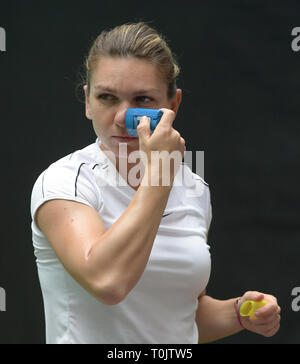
point(161, 307)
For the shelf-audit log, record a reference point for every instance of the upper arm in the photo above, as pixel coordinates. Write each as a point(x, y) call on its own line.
point(202, 294)
point(72, 228)
point(65, 205)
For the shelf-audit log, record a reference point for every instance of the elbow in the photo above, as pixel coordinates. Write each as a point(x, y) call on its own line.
point(104, 286)
point(109, 294)
point(110, 298)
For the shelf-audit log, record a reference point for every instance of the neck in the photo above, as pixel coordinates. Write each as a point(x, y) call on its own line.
point(131, 177)
point(124, 167)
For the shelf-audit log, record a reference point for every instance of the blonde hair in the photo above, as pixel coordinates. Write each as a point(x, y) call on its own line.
point(134, 40)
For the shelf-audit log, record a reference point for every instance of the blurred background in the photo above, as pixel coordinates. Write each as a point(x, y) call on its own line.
point(241, 86)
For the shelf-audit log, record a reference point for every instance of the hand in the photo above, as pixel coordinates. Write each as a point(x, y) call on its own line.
point(165, 143)
point(266, 320)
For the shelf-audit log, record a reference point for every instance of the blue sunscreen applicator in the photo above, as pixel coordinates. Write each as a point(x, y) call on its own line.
point(134, 116)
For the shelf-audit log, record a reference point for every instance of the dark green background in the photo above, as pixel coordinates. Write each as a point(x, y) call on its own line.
point(241, 91)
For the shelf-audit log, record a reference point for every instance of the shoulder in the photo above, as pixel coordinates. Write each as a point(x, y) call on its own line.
point(71, 177)
point(191, 181)
point(79, 162)
point(195, 191)
point(186, 169)
point(197, 177)
point(89, 155)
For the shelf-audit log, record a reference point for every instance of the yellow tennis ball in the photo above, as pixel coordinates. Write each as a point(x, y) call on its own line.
point(249, 307)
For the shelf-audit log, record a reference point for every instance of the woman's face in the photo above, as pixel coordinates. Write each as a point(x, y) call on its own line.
point(118, 84)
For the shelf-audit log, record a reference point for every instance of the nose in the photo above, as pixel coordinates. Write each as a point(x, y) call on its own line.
point(120, 117)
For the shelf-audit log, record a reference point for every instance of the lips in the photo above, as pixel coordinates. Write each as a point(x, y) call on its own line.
point(124, 139)
point(124, 136)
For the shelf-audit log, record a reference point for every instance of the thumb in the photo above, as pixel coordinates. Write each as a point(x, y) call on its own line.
point(143, 129)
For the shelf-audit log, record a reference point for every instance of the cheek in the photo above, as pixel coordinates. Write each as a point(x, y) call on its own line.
point(100, 127)
point(102, 117)
point(102, 122)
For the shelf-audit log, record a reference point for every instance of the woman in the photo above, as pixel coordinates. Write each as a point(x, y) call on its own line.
point(129, 262)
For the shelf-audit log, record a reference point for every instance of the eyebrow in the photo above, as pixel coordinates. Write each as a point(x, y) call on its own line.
point(113, 91)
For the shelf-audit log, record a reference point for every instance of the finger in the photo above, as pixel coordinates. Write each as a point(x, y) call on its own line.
point(143, 129)
point(271, 331)
point(184, 146)
point(167, 118)
point(253, 295)
point(269, 309)
point(270, 320)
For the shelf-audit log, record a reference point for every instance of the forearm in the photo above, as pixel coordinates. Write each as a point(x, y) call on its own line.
point(122, 253)
point(216, 319)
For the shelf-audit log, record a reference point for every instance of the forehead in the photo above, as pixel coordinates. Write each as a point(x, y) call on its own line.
point(127, 74)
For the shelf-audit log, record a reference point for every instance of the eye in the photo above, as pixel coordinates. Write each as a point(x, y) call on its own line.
point(106, 97)
point(143, 99)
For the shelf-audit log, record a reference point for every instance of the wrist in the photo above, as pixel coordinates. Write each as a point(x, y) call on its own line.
point(237, 311)
point(154, 177)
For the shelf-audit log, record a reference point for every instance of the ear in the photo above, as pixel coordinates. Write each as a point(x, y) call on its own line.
point(176, 101)
point(87, 104)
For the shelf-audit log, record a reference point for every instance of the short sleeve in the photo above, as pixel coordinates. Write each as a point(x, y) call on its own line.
point(202, 192)
point(69, 182)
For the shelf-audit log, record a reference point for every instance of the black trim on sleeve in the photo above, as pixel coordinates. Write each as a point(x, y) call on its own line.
point(167, 214)
point(202, 180)
point(77, 178)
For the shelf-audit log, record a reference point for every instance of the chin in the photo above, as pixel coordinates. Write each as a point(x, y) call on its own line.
point(124, 150)
point(119, 150)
